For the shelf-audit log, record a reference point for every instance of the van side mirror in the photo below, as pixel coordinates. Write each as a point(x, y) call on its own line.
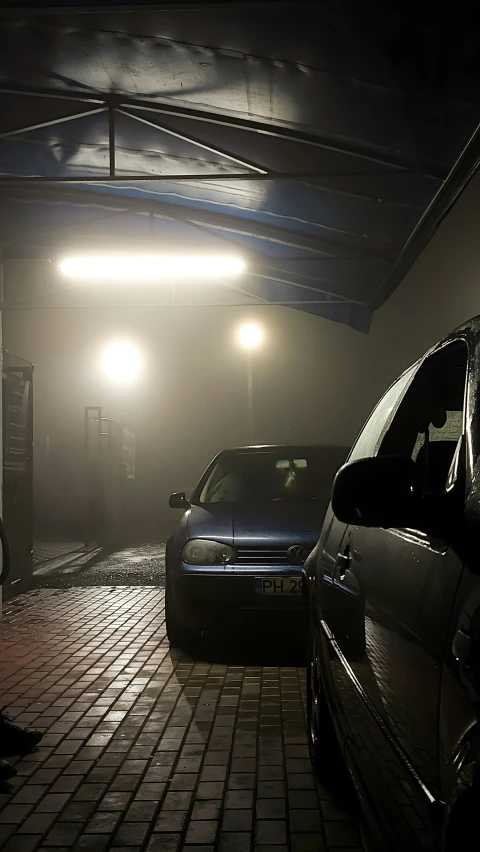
point(378, 492)
point(179, 501)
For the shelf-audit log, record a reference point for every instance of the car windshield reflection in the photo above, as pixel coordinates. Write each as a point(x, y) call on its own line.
point(264, 477)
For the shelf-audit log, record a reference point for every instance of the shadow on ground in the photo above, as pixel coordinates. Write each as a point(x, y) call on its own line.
point(247, 641)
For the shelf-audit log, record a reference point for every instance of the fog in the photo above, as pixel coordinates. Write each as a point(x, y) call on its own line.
point(188, 402)
point(315, 381)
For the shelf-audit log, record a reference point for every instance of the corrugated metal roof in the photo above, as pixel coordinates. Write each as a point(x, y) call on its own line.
point(326, 140)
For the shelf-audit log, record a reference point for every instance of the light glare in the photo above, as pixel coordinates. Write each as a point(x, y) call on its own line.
point(250, 336)
point(121, 361)
point(149, 267)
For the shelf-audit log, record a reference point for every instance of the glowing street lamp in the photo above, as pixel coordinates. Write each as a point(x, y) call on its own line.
point(121, 361)
point(250, 337)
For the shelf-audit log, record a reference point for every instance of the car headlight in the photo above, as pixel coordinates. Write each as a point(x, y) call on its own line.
point(202, 552)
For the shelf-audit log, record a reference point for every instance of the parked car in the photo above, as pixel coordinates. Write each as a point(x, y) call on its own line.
point(245, 534)
point(394, 595)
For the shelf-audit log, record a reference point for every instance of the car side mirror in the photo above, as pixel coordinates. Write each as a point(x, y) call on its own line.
point(378, 492)
point(178, 501)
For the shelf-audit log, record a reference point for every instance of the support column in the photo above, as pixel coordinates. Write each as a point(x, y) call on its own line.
point(1, 411)
point(251, 414)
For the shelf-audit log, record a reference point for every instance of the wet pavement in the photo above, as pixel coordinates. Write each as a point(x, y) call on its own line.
point(46, 550)
point(142, 565)
point(146, 749)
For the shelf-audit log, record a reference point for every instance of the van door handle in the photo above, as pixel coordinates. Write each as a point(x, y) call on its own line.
point(462, 648)
point(343, 564)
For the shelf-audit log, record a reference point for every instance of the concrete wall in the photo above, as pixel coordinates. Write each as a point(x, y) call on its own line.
point(440, 292)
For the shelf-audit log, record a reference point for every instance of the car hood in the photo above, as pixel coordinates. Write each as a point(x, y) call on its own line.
point(239, 524)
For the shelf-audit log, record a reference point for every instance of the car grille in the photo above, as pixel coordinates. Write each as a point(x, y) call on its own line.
point(262, 556)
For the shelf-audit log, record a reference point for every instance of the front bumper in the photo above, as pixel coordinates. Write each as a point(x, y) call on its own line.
point(203, 594)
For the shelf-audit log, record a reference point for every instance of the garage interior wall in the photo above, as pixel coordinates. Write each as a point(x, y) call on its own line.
point(439, 293)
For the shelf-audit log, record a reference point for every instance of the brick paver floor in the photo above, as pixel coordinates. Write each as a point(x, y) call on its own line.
point(147, 749)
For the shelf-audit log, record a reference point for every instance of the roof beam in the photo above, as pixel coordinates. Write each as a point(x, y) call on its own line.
point(21, 9)
point(192, 140)
point(19, 130)
point(27, 180)
point(462, 171)
point(106, 307)
point(223, 222)
point(316, 140)
point(292, 281)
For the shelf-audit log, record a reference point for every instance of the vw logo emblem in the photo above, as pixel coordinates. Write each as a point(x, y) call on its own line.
point(297, 554)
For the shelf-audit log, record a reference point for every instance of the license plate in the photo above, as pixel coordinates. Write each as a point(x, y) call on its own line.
point(278, 586)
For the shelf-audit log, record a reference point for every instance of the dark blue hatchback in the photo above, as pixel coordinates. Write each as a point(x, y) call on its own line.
point(250, 524)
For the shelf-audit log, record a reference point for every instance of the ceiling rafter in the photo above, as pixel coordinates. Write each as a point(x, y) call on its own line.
point(279, 131)
point(223, 222)
point(19, 9)
point(192, 140)
point(61, 120)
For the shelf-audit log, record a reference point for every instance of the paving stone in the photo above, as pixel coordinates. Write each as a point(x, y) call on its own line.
point(271, 790)
point(147, 750)
point(234, 842)
point(183, 782)
point(271, 773)
point(36, 824)
point(92, 843)
point(201, 831)
point(241, 781)
point(152, 792)
point(164, 843)
point(15, 813)
point(307, 799)
point(237, 820)
point(131, 834)
point(63, 834)
point(103, 822)
point(271, 809)
point(210, 790)
point(206, 810)
point(141, 811)
point(213, 773)
point(305, 820)
point(309, 843)
point(23, 843)
point(177, 800)
point(239, 799)
point(271, 831)
point(115, 801)
point(170, 821)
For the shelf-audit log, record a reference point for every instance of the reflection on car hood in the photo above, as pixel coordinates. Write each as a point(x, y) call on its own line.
point(268, 524)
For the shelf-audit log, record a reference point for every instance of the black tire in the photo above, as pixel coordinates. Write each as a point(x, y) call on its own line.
point(325, 752)
point(177, 635)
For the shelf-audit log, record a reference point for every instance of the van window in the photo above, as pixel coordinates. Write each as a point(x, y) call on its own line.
point(369, 439)
point(430, 422)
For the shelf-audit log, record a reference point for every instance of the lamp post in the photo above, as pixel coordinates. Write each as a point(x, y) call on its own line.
point(250, 337)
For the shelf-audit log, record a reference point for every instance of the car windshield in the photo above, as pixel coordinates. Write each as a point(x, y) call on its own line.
point(271, 476)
